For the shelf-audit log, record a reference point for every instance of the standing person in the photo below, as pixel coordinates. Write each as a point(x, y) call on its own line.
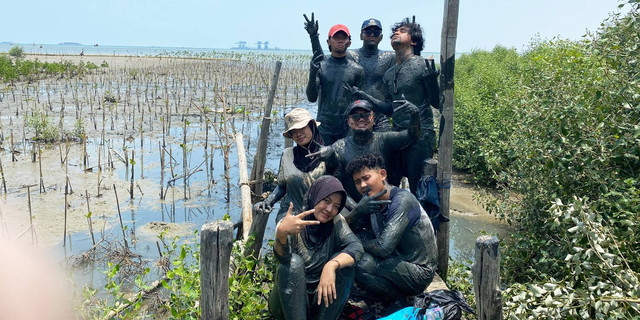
point(400, 256)
point(327, 78)
point(316, 252)
point(415, 80)
point(297, 171)
point(374, 61)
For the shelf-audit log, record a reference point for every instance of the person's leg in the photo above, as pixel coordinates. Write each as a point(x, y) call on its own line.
point(344, 283)
point(415, 156)
point(288, 298)
point(407, 278)
point(370, 279)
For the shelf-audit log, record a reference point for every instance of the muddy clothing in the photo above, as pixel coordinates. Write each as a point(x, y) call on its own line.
point(410, 79)
point(294, 183)
point(401, 259)
point(387, 144)
point(294, 292)
point(326, 85)
point(375, 63)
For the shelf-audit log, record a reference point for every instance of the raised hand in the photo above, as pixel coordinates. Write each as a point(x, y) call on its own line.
point(405, 107)
point(431, 70)
point(325, 153)
point(353, 90)
point(311, 25)
point(370, 204)
point(292, 225)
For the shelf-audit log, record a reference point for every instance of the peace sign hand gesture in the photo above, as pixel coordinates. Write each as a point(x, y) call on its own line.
point(292, 225)
point(311, 25)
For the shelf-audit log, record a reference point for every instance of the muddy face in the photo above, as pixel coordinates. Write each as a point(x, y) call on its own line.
point(401, 38)
point(371, 36)
point(372, 178)
point(361, 120)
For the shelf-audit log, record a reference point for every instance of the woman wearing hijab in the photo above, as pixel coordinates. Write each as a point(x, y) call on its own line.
point(317, 253)
point(297, 172)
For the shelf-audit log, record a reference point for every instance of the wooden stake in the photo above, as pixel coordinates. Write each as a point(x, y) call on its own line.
point(93, 240)
point(124, 237)
point(447, 61)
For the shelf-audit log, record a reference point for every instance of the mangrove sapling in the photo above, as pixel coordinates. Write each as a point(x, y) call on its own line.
point(93, 240)
point(133, 162)
point(33, 231)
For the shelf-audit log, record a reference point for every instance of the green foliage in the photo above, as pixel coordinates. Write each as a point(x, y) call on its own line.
point(559, 123)
point(44, 128)
point(459, 279)
point(34, 69)
point(78, 129)
point(17, 52)
point(250, 281)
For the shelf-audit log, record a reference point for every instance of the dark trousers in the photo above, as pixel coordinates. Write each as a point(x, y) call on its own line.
point(290, 300)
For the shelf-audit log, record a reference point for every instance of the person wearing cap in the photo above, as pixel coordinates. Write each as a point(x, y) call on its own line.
point(374, 61)
point(297, 172)
point(414, 79)
point(317, 253)
point(363, 141)
point(327, 80)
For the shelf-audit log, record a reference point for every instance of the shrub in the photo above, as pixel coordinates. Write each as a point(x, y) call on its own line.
point(17, 52)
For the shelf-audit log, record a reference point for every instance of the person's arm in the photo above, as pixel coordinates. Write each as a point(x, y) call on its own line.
point(290, 225)
point(266, 205)
point(314, 83)
point(381, 106)
point(311, 25)
point(363, 209)
point(392, 231)
point(431, 86)
point(351, 252)
point(394, 141)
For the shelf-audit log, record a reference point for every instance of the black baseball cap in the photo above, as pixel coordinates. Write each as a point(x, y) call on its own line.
point(371, 22)
point(360, 104)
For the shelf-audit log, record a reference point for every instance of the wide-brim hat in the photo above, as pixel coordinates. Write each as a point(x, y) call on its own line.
point(297, 118)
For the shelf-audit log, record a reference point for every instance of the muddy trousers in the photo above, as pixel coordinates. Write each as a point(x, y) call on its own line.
point(290, 300)
point(392, 278)
point(411, 161)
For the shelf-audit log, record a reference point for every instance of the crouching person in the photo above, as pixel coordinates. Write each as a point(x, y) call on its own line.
point(317, 253)
point(400, 256)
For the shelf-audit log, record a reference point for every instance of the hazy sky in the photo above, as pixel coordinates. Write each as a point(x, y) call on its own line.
point(220, 24)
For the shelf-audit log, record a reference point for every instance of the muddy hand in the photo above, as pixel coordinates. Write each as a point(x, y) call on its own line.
point(405, 106)
point(262, 207)
point(369, 204)
point(311, 25)
point(315, 62)
point(295, 224)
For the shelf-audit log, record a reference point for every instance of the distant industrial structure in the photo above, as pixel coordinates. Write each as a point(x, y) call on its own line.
point(261, 45)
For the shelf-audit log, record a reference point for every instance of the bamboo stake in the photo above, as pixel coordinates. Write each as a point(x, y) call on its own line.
point(124, 237)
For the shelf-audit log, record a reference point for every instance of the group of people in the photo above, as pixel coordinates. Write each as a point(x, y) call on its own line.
point(342, 219)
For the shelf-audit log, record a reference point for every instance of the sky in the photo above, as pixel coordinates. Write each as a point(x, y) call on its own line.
point(482, 24)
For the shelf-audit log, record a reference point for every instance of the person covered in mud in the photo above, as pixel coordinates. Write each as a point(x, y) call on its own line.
point(297, 171)
point(374, 61)
point(414, 79)
point(400, 256)
point(317, 253)
point(365, 140)
point(327, 78)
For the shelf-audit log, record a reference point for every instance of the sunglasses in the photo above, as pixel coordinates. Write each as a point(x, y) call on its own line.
point(357, 116)
point(372, 32)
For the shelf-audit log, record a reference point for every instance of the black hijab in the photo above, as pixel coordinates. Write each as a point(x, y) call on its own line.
point(300, 160)
point(315, 235)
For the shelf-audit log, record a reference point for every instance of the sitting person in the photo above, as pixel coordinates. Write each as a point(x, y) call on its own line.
point(400, 256)
point(297, 172)
point(317, 252)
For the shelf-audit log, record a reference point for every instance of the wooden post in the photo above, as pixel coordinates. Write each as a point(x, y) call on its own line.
point(245, 190)
point(486, 278)
point(216, 241)
point(447, 60)
point(257, 171)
